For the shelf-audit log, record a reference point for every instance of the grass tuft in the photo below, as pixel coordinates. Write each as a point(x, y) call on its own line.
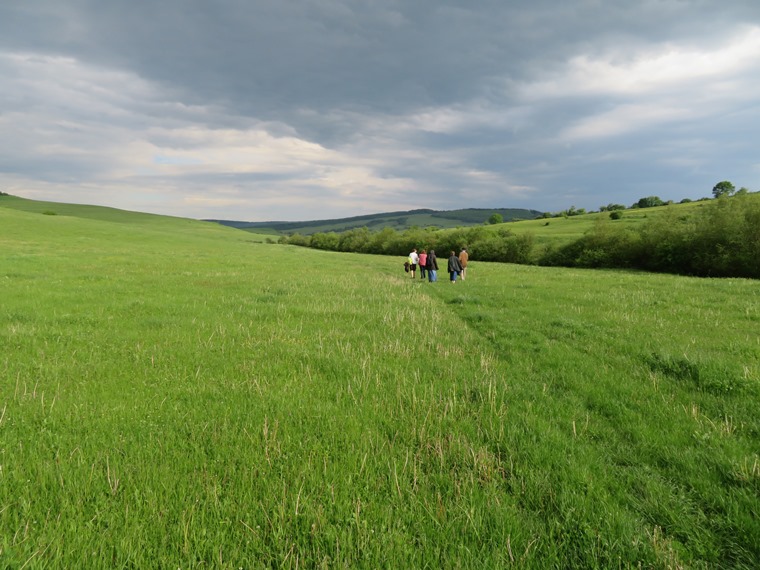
point(718, 378)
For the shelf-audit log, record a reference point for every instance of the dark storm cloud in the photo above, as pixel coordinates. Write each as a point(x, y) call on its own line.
point(266, 58)
point(533, 104)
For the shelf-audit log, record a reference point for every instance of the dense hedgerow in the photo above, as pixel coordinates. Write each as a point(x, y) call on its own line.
point(721, 239)
point(500, 245)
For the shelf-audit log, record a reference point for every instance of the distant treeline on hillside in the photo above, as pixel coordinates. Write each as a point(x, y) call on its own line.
point(721, 239)
point(397, 220)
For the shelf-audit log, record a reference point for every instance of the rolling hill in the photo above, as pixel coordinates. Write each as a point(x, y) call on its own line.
point(106, 214)
point(396, 220)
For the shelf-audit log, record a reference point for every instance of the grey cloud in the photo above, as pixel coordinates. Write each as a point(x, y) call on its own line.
point(268, 58)
point(427, 96)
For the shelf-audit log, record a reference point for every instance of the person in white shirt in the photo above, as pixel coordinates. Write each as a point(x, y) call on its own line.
point(414, 259)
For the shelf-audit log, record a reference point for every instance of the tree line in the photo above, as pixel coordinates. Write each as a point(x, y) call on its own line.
point(720, 239)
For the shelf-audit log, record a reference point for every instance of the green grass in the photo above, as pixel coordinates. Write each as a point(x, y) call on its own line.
point(168, 224)
point(561, 231)
point(174, 394)
point(85, 211)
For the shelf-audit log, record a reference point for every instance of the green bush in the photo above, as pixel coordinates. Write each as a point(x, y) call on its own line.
point(328, 241)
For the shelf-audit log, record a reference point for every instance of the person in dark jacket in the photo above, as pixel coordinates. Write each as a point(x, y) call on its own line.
point(454, 267)
point(432, 267)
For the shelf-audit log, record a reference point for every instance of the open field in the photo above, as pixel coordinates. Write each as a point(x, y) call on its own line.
point(175, 394)
point(560, 231)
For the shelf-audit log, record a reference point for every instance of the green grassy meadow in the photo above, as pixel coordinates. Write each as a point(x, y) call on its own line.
point(561, 231)
point(179, 394)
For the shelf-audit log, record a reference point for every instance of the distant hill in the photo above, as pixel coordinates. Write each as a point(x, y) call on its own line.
point(396, 220)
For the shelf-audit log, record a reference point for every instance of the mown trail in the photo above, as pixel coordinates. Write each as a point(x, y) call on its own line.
point(633, 406)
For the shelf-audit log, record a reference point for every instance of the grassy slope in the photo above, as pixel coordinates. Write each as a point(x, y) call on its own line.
point(559, 231)
point(171, 396)
point(83, 211)
point(114, 215)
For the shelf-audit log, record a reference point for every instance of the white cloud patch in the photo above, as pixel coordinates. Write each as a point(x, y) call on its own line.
point(665, 87)
point(623, 119)
point(667, 67)
point(148, 141)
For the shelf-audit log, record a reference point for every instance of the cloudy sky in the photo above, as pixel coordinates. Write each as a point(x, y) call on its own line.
point(310, 109)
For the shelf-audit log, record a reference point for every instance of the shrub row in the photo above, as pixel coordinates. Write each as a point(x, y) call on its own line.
point(721, 239)
point(499, 245)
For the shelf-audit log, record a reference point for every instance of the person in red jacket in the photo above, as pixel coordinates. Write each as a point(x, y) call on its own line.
point(423, 262)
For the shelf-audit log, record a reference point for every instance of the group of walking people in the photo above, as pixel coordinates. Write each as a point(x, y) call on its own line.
point(428, 264)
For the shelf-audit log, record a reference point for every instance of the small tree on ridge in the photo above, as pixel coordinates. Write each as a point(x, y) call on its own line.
point(724, 188)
